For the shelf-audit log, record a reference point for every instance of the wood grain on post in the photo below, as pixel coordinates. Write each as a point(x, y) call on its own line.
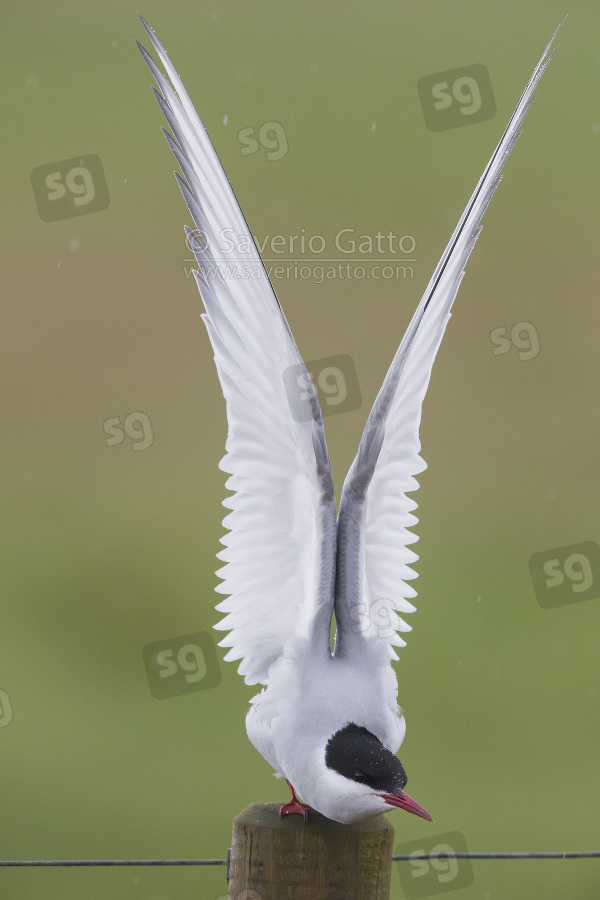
point(275, 858)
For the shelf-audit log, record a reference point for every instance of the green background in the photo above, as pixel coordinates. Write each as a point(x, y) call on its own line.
point(105, 550)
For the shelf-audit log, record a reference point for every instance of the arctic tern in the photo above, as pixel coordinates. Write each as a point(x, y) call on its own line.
point(326, 720)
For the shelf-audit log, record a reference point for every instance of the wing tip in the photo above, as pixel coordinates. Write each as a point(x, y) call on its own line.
point(150, 32)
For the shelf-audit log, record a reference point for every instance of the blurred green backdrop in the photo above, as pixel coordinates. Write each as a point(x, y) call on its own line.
point(106, 550)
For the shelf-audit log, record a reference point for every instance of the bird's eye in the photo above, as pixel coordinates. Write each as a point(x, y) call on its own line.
point(359, 776)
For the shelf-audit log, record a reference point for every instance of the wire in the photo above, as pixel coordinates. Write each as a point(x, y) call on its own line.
point(566, 854)
point(558, 854)
point(113, 862)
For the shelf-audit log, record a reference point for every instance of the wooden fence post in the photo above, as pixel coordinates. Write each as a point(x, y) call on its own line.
point(275, 858)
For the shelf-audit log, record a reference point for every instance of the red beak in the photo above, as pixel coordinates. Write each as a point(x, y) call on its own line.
point(403, 801)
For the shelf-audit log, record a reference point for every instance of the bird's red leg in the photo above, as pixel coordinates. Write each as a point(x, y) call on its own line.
point(294, 806)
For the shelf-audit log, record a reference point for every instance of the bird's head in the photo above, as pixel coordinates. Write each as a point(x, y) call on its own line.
point(364, 778)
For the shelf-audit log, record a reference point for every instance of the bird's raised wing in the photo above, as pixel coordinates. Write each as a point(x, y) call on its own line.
point(280, 552)
point(375, 513)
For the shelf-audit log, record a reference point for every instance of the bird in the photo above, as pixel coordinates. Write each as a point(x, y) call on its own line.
point(327, 718)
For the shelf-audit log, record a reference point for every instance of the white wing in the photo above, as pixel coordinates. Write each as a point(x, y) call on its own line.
point(375, 513)
point(280, 552)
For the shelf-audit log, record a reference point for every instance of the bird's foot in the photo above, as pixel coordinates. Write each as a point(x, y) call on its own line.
point(294, 806)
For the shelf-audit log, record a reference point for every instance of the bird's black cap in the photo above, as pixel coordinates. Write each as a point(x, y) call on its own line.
point(357, 754)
